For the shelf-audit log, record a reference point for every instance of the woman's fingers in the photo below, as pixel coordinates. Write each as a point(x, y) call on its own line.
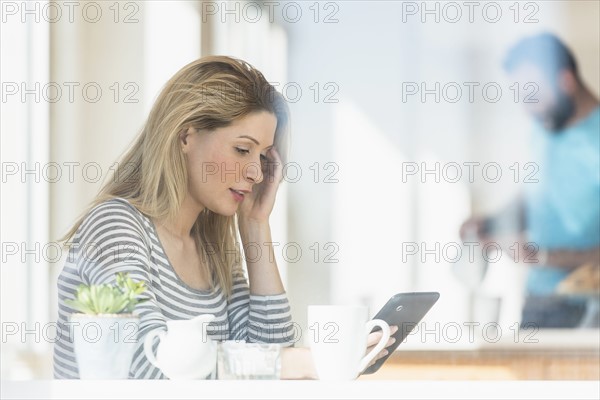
point(375, 337)
point(382, 354)
point(390, 342)
point(273, 166)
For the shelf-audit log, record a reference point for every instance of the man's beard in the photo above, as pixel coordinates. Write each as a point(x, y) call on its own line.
point(556, 119)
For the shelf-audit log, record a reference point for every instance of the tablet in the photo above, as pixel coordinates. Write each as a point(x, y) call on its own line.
point(404, 310)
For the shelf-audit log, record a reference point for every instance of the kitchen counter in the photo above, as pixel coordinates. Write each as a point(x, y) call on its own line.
point(298, 389)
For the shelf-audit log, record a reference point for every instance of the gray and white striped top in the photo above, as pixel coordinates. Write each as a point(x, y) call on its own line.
point(102, 246)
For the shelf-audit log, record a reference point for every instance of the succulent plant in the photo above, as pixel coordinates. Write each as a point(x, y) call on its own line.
point(117, 298)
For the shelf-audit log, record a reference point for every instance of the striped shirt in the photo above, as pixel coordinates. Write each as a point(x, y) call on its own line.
point(102, 246)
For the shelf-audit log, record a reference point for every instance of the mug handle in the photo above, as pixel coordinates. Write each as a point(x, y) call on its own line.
point(385, 328)
point(149, 341)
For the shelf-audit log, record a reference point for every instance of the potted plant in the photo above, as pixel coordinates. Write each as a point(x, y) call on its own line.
point(105, 329)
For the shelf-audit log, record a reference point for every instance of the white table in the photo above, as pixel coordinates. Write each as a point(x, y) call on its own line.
point(300, 389)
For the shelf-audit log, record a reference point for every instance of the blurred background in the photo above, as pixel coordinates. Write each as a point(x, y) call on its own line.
point(403, 125)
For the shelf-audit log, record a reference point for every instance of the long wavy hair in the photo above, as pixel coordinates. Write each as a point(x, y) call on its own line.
point(209, 93)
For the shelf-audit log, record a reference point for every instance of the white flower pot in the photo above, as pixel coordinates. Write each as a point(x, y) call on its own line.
point(104, 344)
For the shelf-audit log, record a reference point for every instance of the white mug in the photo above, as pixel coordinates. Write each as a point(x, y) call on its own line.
point(338, 340)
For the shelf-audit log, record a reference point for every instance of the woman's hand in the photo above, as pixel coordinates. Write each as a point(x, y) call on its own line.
point(257, 206)
point(253, 223)
point(374, 338)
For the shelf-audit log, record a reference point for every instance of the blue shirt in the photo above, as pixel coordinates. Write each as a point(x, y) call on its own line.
point(563, 208)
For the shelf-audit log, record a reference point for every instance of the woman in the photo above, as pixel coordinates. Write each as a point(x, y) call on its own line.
point(210, 150)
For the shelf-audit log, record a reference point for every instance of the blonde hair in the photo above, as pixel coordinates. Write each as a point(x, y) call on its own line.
point(206, 94)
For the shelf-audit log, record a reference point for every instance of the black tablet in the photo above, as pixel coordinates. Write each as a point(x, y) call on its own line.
point(405, 310)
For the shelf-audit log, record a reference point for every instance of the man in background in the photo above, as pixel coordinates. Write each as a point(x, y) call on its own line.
point(559, 216)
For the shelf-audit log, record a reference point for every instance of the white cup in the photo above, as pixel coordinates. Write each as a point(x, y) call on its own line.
point(338, 340)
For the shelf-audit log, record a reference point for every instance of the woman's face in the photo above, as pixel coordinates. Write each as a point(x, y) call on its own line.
point(225, 164)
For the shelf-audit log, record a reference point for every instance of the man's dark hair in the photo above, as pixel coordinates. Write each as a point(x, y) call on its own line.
point(545, 51)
